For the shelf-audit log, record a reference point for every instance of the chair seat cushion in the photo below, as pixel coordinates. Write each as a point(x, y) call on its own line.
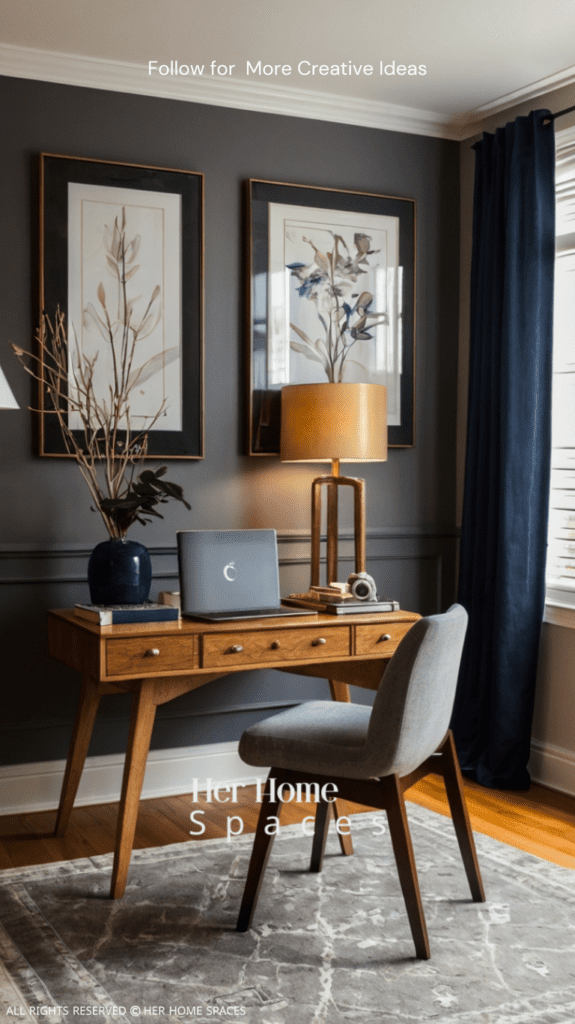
point(320, 736)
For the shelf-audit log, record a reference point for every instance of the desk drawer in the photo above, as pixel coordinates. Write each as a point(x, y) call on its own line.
point(135, 656)
point(223, 649)
point(370, 639)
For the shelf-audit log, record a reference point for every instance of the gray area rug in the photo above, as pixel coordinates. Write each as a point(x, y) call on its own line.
point(325, 949)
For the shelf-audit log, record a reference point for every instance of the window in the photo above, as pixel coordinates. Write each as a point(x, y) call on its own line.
point(561, 537)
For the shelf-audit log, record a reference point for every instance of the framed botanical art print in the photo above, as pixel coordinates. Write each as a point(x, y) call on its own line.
point(122, 257)
point(330, 299)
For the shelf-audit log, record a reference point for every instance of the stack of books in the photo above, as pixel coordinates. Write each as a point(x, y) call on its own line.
point(339, 607)
point(108, 615)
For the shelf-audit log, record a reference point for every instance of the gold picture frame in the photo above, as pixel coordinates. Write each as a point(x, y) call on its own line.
point(357, 246)
point(162, 210)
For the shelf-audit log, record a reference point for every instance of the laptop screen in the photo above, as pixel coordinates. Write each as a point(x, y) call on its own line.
point(228, 570)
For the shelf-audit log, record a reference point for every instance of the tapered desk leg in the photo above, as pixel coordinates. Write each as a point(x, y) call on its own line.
point(141, 724)
point(81, 736)
point(340, 691)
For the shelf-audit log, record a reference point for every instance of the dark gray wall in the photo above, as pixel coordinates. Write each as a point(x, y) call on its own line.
point(46, 527)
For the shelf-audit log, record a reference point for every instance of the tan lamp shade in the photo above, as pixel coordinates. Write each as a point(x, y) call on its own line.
point(322, 422)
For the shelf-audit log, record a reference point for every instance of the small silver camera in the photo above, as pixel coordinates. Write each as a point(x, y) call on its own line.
point(362, 587)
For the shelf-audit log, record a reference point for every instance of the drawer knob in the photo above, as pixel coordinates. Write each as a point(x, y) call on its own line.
point(236, 649)
point(319, 640)
point(384, 636)
point(152, 652)
point(275, 645)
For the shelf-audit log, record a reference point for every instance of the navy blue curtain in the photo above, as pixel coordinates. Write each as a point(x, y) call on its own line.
point(504, 526)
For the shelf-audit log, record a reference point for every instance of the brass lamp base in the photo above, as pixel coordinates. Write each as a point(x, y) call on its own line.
point(318, 421)
point(332, 483)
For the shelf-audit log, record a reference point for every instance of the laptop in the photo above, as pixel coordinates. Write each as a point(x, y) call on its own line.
point(230, 574)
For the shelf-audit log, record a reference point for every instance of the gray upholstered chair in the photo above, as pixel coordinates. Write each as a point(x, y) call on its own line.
point(373, 755)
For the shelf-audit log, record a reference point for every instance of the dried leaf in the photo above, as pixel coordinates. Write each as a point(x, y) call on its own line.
point(152, 366)
point(309, 353)
point(301, 334)
point(149, 324)
point(113, 266)
point(361, 242)
point(132, 249)
point(91, 317)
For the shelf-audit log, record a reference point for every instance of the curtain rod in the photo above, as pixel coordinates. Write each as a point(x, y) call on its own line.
point(552, 117)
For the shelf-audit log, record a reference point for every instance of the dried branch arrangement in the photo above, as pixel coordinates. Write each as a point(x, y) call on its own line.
point(106, 448)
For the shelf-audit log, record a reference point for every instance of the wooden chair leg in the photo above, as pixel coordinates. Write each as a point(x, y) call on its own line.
point(403, 851)
point(260, 853)
point(460, 817)
point(340, 810)
point(322, 816)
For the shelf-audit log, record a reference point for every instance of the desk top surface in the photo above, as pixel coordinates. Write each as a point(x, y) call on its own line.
point(193, 626)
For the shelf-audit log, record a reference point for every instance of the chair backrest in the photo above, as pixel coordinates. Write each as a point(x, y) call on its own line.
point(413, 704)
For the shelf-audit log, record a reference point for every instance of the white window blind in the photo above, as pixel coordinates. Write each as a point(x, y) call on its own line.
point(561, 538)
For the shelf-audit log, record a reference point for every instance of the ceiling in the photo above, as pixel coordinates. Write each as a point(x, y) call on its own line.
point(478, 54)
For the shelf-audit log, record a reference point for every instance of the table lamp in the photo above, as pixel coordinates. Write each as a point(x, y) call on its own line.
point(7, 400)
point(334, 423)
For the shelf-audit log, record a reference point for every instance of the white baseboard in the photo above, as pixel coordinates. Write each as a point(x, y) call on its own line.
point(553, 767)
point(36, 787)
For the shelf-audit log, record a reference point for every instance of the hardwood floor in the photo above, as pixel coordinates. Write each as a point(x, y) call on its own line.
point(540, 821)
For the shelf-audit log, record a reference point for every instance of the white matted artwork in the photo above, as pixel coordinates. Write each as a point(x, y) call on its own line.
point(335, 290)
point(124, 255)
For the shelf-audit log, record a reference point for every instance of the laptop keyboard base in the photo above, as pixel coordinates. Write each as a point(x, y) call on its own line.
point(253, 613)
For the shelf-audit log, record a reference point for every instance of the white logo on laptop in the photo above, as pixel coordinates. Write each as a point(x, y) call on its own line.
point(230, 572)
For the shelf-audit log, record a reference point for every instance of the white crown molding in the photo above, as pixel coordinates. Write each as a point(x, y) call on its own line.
point(117, 76)
point(120, 76)
point(472, 122)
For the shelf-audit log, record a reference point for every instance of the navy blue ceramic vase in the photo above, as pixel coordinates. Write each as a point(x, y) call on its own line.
point(119, 572)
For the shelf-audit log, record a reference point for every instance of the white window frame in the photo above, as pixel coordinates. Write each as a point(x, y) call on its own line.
point(560, 600)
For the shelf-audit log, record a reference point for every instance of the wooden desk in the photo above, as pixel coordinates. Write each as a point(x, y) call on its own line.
point(157, 662)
